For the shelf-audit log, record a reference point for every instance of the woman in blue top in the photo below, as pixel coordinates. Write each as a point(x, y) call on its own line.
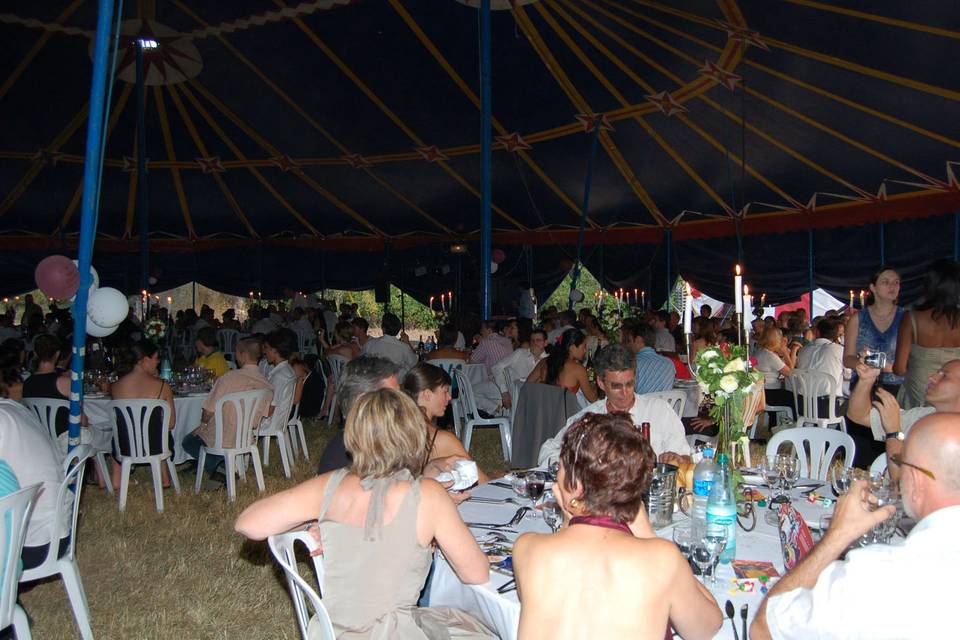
point(875, 328)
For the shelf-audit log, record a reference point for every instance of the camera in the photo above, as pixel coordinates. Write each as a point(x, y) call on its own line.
point(875, 359)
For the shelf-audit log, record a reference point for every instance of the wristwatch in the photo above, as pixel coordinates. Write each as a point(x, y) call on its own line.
point(896, 435)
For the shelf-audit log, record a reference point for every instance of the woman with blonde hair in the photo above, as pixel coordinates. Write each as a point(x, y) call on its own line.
point(775, 360)
point(377, 520)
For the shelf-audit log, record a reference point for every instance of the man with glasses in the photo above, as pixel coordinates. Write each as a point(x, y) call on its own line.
point(883, 590)
point(887, 420)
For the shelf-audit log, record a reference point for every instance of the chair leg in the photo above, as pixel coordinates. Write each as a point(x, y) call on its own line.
point(294, 445)
point(284, 452)
point(303, 440)
point(241, 460)
point(174, 478)
point(21, 624)
point(231, 478)
point(266, 450)
point(124, 484)
point(505, 442)
point(157, 484)
point(257, 470)
point(201, 459)
point(104, 470)
point(77, 596)
point(467, 436)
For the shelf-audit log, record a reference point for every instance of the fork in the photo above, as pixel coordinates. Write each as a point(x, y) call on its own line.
point(517, 517)
point(481, 500)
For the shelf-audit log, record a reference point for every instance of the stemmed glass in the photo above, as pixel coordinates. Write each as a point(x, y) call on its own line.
point(771, 475)
point(707, 550)
point(883, 491)
point(842, 478)
point(536, 481)
point(791, 471)
point(552, 514)
point(683, 538)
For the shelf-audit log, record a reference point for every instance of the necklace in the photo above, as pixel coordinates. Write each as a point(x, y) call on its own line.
point(601, 521)
point(881, 318)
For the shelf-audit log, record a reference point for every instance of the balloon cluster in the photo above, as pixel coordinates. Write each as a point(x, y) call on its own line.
point(59, 278)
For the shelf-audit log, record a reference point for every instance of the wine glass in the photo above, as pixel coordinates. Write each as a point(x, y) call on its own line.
point(519, 484)
point(552, 514)
point(771, 475)
point(683, 538)
point(707, 550)
point(842, 478)
point(536, 481)
point(883, 492)
point(791, 471)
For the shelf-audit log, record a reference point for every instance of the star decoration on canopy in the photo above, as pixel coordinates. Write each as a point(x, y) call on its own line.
point(513, 142)
point(719, 75)
point(130, 164)
point(432, 153)
point(744, 35)
point(173, 58)
point(47, 156)
point(357, 161)
point(211, 164)
point(285, 163)
point(666, 103)
point(590, 121)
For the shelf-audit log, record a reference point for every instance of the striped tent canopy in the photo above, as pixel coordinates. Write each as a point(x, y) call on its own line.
point(336, 143)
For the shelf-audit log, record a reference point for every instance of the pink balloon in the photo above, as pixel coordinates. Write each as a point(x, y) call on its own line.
point(57, 277)
point(498, 256)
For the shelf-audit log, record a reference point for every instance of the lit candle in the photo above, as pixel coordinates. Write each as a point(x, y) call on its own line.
point(687, 309)
point(169, 303)
point(251, 294)
point(643, 299)
point(443, 306)
point(738, 290)
point(851, 298)
point(636, 297)
point(863, 297)
point(763, 300)
point(628, 297)
point(748, 313)
point(431, 303)
point(450, 299)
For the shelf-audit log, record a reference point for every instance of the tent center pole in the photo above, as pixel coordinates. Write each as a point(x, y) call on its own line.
point(486, 159)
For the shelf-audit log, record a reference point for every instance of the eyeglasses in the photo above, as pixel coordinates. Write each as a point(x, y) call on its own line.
point(900, 462)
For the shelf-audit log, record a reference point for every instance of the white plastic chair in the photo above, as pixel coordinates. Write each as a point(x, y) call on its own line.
point(879, 465)
point(295, 425)
point(244, 405)
point(282, 548)
point(473, 418)
point(456, 400)
point(47, 410)
point(136, 416)
point(65, 565)
point(15, 510)
point(185, 344)
point(822, 444)
point(812, 385)
point(676, 398)
point(276, 426)
point(306, 342)
point(337, 363)
point(227, 341)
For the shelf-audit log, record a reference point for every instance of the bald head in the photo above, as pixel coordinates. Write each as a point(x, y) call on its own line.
point(934, 444)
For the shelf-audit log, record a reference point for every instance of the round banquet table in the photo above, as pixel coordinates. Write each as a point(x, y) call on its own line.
point(188, 408)
point(502, 612)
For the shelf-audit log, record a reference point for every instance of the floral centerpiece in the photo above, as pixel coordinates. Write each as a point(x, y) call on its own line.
point(726, 375)
point(155, 331)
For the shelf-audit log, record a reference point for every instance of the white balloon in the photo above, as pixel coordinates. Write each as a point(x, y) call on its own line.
point(152, 281)
point(576, 295)
point(94, 282)
point(95, 330)
point(107, 307)
point(493, 267)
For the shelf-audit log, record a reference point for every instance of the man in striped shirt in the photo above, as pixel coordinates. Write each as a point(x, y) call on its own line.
point(654, 372)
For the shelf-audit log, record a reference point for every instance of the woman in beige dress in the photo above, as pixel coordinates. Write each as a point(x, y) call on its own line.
point(377, 521)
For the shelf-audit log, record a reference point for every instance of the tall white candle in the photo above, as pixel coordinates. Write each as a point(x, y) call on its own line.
point(738, 290)
point(748, 314)
point(687, 310)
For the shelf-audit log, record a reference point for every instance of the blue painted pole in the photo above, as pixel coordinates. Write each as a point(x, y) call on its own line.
point(88, 212)
point(669, 239)
point(486, 117)
point(883, 243)
point(583, 211)
point(810, 269)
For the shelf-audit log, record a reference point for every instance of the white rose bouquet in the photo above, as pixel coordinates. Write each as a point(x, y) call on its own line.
point(726, 375)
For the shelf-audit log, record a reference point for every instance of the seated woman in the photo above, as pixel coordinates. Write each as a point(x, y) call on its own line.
point(343, 343)
point(138, 380)
point(775, 361)
point(429, 386)
point(562, 367)
point(704, 335)
point(446, 340)
point(606, 574)
point(377, 521)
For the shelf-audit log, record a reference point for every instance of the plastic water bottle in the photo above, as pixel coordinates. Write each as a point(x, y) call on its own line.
point(165, 369)
point(703, 477)
point(722, 509)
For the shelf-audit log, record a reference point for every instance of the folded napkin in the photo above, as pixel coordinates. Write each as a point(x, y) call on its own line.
point(463, 475)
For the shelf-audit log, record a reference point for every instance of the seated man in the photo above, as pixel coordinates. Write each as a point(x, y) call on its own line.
point(247, 377)
point(208, 352)
point(663, 338)
point(827, 597)
point(34, 457)
point(824, 354)
point(520, 363)
point(654, 372)
point(278, 346)
point(614, 365)
point(493, 348)
point(389, 347)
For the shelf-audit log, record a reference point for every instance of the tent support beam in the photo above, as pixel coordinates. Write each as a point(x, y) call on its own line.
point(583, 212)
point(143, 200)
point(668, 236)
point(810, 259)
point(486, 195)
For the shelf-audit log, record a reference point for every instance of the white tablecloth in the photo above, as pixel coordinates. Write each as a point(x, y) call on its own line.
point(502, 612)
point(188, 408)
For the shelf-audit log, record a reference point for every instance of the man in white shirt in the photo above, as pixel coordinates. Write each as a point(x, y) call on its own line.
point(565, 321)
point(881, 591)
point(299, 322)
point(389, 347)
point(34, 457)
point(665, 340)
point(616, 376)
point(824, 354)
point(520, 363)
point(262, 322)
point(278, 346)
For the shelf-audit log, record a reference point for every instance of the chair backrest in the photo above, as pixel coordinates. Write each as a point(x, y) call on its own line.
point(227, 340)
point(47, 410)
point(295, 411)
point(15, 509)
point(337, 363)
point(822, 445)
point(450, 365)
point(306, 342)
point(282, 403)
point(282, 548)
point(676, 398)
point(136, 415)
point(812, 384)
point(879, 465)
point(244, 405)
point(468, 401)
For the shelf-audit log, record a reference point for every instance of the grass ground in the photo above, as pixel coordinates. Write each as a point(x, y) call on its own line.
point(184, 573)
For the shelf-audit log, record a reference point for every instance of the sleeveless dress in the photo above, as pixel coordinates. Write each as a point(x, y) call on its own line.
point(923, 362)
point(373, 574)
point(872, 338)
